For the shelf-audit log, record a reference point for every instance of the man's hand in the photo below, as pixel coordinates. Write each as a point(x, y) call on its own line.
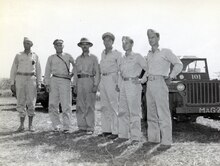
point(38, 87)
point(168, 80)
point(94, 89)
point(117, 88)
point(13, 89)
point(48, 88)
point(74, 89)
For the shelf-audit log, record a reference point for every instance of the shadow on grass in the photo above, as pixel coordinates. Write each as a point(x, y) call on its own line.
point(194, 132)
point(92, 149)
point(7, 133)
point(9, 109)
point(96, 149)
point(8, 104)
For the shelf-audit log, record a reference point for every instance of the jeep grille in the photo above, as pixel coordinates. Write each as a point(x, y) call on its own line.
point(203, 93)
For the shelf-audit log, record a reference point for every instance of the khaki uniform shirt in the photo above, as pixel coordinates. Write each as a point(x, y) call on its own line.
point(24, 63)
point(159, 63)
point(57, 67)
point(87, 65)
point(132, 65)
point(110, 62)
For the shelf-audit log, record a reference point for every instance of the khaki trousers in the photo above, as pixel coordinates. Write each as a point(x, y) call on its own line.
point(129, 116)
point(85, 107)
point(26, 93)
point(60, 93)
point(158, 112)
point(109, 104)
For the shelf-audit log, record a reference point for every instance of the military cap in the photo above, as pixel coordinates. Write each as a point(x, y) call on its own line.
point(26, 39)
point(149, 31)
point(86, 41)
point(127, 38)
point(58, 41)
point(108, 34)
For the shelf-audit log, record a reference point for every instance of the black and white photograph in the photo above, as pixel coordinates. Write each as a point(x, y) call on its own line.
point(109, 83)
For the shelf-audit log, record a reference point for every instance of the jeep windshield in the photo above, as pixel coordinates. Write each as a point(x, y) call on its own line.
point(194, 66)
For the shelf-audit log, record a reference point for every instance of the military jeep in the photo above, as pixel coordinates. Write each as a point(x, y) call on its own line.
point(193, 93)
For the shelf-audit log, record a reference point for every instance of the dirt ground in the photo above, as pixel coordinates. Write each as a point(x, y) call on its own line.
point(194, 144)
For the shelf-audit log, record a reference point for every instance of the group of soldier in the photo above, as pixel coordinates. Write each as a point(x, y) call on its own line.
point(117, 78)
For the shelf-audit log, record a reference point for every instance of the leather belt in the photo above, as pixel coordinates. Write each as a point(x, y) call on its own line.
point(64, 77)
point(106, 74)
point(129, 78)
point(155, 77)
point(84, 76)
point(25, 74)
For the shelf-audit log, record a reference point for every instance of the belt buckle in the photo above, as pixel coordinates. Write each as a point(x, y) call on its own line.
point(126, 79)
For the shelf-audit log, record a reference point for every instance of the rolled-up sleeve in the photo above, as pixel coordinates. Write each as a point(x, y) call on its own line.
point(143, 63)
point(47, 71)
point(118, 61)
point(38, 72)
point(177, 64)
point(75, 78)
point(97, 71)
point(14, 69)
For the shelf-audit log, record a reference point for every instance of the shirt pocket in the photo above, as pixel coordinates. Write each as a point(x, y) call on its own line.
point(78, 67)
point(89, 67)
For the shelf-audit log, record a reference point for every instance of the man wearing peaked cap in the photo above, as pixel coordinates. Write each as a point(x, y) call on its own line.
point(158, 112)
point(86, 80)
point(57, 41)
point(129, 116)
point(109, 87)
point(25, 76)
point(58, 80)
point(109, 35)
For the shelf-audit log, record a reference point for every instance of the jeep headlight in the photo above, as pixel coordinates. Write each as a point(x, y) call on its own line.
point(180, 87)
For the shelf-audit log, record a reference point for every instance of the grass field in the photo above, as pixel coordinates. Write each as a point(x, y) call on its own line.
point(195, 144)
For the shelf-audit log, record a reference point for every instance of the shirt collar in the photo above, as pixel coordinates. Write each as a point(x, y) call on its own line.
point(108, 52)
point(30, 53)
point(84, 55)
point(130, 54)
point(157, 50)
point(60, 54)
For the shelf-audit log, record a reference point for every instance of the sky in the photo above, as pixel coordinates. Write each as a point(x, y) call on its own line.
point(187, 27)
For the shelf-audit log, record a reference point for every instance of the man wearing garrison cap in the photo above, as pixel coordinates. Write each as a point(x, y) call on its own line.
point(86, 79)
point(58, 80)
point(109, 65)
point(158, 112)
point(129, 116)
point(25, 79)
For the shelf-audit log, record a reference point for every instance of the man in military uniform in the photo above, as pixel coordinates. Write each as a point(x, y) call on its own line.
point(86, 78)
point(25, 81)
point(109, 65)
point(158, 112)
point(58, 84)
point(129, 116)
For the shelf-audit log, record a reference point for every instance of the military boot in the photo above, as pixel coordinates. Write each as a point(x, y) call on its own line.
point(30, 124)
point(21, 127)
